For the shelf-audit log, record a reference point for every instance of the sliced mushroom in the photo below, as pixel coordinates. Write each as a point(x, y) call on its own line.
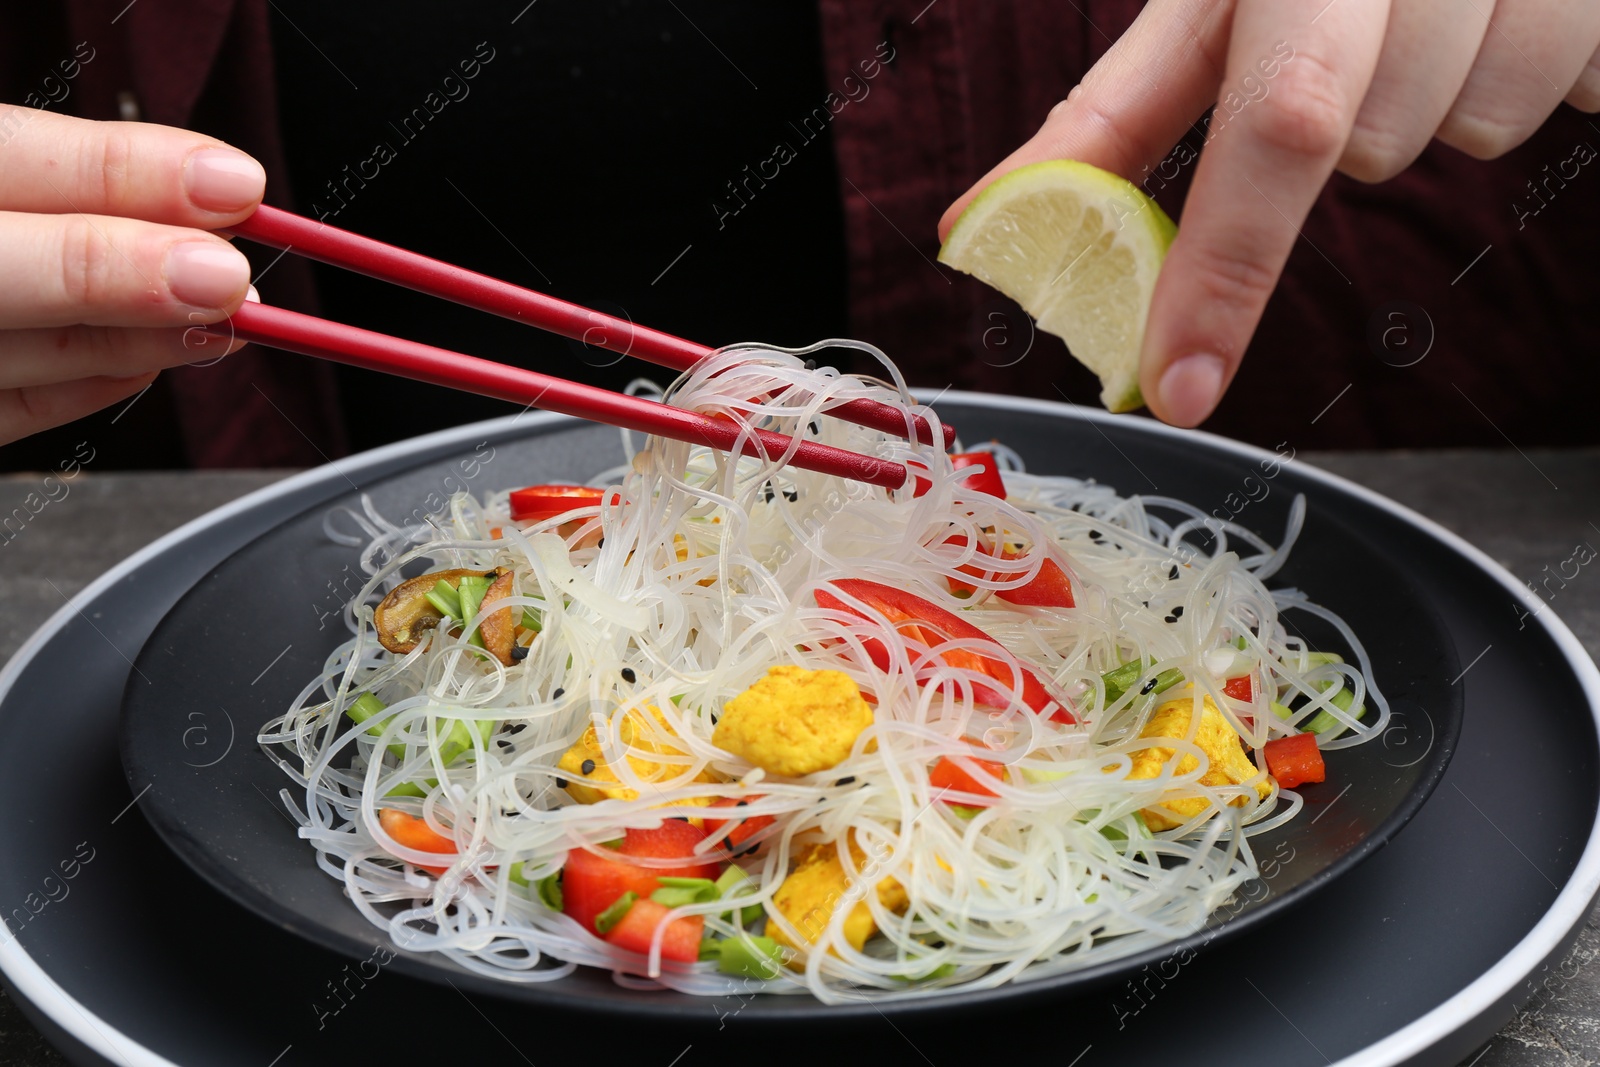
point(406, 614)
point(497, 629)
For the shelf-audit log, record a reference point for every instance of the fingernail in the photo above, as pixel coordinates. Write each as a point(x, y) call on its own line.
point(206, 274)
point(1190, 388)
point(223, 180)
point(251, 295)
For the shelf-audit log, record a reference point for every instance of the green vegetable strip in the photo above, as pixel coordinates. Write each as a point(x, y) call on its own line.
point(944, 970)
point(1124, 677)
point(1117, 681)
point(549, 890)
point(609, 918)
point(678, 891)
point(728, 885)
point(470, 591)
point(669, 897)
point(1115, 832)
point(443, 596)
point(729, 879)
point(754, 957)
point(457, 739)
point(1324, 721)
point(365, 707)
point(699, 885)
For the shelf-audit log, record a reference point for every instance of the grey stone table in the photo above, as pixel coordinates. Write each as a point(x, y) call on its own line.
point(1527, 511)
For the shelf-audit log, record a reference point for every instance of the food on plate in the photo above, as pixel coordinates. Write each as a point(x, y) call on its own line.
point(720, 724)
point(795, 721)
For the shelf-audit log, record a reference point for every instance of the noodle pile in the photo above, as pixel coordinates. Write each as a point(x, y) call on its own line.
point(696, 575)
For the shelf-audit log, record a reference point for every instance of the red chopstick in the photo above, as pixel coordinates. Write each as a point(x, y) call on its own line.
point(341, 248)
point(294, 332)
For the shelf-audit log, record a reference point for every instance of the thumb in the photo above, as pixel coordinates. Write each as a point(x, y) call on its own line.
point(1136, 102)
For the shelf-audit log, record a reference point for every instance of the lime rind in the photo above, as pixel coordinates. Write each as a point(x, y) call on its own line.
point(1080, 249)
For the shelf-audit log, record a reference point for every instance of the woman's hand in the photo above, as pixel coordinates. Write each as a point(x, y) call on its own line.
point(105, 265)
point(1366, 85)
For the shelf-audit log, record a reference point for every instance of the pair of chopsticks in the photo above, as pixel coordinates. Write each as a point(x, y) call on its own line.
point(305, 334)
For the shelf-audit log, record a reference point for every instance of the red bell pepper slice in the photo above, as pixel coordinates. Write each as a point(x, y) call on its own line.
point(984, 476)
point(1240, 688)
point(948, 775)
point(414, 833)
point(1295, 760)
point(637, 928)
point(674, 839)
point(743, 829)
point(1050, 588)
point(921, 622)
point(537, 503)
point(590, 883)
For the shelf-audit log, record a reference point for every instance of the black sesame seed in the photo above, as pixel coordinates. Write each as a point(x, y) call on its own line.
point(519, 653)
point(600, 543)
point(1170, 619)
point(628, 675)
point(510, 813)
point(1177, 612)
point(741, 803)
point(791, 495)
point(588, 766)
point(558, 694)
point(713, 718)
point(815, 427)
point(811, 364)
point(561, 783)
point(516, 728)
point(848, 779)
point(505, 746)
point(680, 818)
point(1095, 535)
point(736, 853)
point(1148, 687)
point(1172, 575)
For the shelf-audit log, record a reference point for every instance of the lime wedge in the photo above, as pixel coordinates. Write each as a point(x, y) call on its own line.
point(1079, 248)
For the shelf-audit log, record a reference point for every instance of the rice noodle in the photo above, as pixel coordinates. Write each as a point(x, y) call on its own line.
point(1031, 887)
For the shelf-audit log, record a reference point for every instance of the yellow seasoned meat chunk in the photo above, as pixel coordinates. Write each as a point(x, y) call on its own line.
point(817, 886)
point(1230, 764)
point(794, 721)
point(645, 733)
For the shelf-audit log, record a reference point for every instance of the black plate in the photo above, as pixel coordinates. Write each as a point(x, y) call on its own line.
point(238, 647)
point(1417, 956)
